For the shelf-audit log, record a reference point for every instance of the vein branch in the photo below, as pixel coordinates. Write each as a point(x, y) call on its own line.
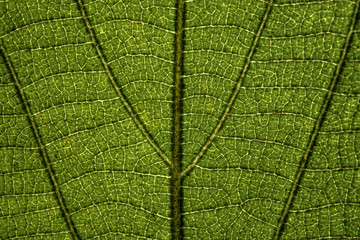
point(39, 140)
point(176, 144)
point(235, 92)
point(319, 121)
point(114, 83)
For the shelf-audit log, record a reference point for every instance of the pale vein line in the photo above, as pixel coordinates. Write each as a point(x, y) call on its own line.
point(113, 82)
point(138, 22)
point(70, 73)
point(141, 55)
point(219, 26)
point(251, 115)
point(39, 234)
point(325, 206)
point(338, 169)
point(56, 106)
point(23, 172)
point(340, 131)
point(6, 84)
point(40, 22)
point(316, 130)
point(294, 61)
point(30, 212)
point(120, 233)
point(45, 48)
point(12, 115)
point(272, 113)
point(282, 144)
point(19, 148)
point(332, 237)
point(126, 172)
point(121, 203)
point(300, 88)
point(235, 93)
point(215, 52)
point(26, 194)
point(42, 149)
point(305, 35)
point(310, 3)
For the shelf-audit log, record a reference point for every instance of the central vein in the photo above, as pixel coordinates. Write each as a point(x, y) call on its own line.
point(176, 141)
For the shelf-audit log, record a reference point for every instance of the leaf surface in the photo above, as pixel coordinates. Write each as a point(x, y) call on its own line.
point(180, 120)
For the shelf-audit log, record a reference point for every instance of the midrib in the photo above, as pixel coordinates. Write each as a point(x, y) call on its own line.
point(177, 174)
point(176, 222)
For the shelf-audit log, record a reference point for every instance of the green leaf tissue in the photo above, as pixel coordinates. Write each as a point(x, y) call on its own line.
point(184, 119)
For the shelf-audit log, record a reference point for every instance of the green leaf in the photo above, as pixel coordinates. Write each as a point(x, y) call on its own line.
point(170, 120)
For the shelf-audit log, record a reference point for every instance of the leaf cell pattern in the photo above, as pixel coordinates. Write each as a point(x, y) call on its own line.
point(180, 119)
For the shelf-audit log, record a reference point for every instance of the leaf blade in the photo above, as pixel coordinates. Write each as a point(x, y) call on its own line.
point(114, 182)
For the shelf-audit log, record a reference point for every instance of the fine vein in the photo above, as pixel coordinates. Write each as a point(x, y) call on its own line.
point(176, 144)
point(39, 140)
point(317, 126)
point(235, 93)
point(114, 83)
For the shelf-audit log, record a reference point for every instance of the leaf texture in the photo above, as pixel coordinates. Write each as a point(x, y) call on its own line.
point(180, 119)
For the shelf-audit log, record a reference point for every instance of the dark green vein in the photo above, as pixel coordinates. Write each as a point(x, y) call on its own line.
point(176, 222)
point(319, 121)
point(235, 92)
point(42, 149)
point(114, 83)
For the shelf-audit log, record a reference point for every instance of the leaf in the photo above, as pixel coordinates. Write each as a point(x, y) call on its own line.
point(163, 119)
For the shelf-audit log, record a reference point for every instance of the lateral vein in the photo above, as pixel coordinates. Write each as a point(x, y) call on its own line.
point(113, 82)
point(39, 140)
point(319, 121)
point(234, 94)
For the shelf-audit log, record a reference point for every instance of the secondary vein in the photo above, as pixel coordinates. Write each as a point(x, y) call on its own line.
point(176, 141)
point(39, 140)
point(234, 94)
point(319, 121)
point(114, 83)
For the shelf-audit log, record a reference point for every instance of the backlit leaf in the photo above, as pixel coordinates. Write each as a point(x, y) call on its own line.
point(180, 119)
